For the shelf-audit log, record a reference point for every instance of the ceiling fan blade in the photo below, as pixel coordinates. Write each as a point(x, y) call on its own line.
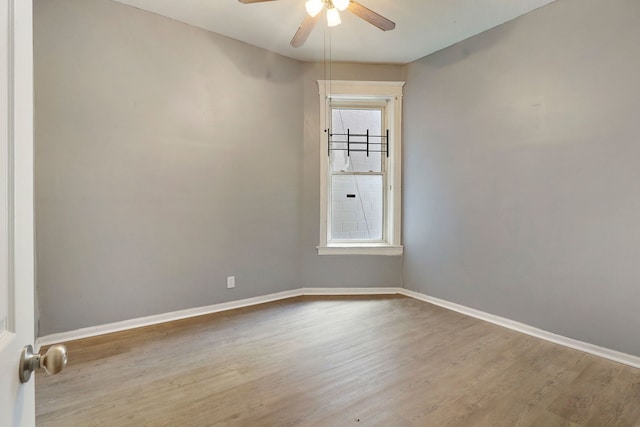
point(371, 17)
point(253, 1)
point(305, 29)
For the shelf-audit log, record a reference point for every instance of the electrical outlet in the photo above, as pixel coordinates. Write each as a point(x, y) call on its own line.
point(231, 282)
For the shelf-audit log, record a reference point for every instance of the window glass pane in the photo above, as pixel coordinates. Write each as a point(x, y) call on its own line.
point(356, 207)
point(357, 122)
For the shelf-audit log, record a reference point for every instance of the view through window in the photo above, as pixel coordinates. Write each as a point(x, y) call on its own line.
point(358, 166)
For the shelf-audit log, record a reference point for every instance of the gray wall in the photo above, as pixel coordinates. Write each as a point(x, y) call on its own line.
point(336, 270)
point(167, 158)
point(522, 172)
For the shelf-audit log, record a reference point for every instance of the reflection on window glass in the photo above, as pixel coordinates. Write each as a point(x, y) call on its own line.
point(357, 122)
point(356, 207)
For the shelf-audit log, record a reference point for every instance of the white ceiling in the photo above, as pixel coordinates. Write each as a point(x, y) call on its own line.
point(422, 26)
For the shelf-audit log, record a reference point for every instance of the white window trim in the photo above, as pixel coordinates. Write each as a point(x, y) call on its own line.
point(366, 91)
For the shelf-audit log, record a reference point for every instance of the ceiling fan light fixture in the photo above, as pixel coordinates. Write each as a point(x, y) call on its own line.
point(341, 4)
point(313, 7)
point(333, 17)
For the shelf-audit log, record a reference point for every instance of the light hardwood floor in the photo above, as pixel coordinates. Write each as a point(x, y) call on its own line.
point(329, 361)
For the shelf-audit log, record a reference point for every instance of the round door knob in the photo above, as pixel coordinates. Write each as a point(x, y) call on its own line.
point(53, 361)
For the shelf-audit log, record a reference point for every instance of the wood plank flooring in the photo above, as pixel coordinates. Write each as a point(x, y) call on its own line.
point(329, 361)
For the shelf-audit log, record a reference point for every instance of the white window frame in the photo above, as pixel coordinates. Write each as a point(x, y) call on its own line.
point(364, 91)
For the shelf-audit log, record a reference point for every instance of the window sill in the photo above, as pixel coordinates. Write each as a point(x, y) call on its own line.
point(360, 249)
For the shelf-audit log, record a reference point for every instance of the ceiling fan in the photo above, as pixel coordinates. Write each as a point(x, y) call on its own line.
point(314, 7)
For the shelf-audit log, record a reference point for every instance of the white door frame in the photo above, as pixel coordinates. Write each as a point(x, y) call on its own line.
point(17, 401)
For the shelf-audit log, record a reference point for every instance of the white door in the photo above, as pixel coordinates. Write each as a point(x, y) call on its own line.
point(17, 402)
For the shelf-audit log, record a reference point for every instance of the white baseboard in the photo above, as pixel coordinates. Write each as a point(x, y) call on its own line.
point(351, 291)
point(199, 311)
point(160, 318)
point(606, 353)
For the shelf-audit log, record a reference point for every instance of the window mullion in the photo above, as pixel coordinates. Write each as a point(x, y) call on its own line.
point(356, 173)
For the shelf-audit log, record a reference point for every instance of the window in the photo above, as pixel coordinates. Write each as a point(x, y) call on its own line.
point(360, 163)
